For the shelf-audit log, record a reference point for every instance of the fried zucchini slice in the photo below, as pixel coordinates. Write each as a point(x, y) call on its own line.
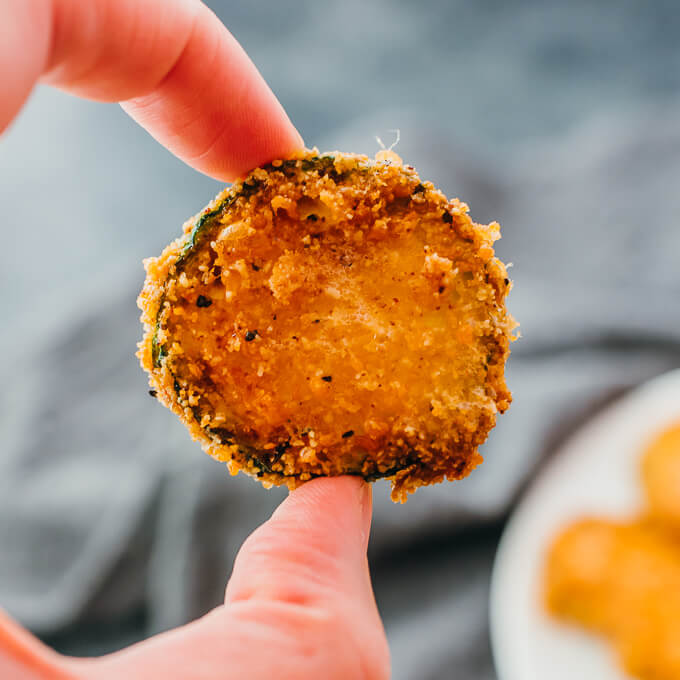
point(332, 314)
point(660, 471)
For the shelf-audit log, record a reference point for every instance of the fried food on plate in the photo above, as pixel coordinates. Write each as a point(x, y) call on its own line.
point(577, 571)
point(332, 314)
point(661, 476)
point(600, 572)
point(649, 643)
point(621, 580)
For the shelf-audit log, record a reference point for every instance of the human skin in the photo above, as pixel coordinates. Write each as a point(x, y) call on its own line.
point(299, 602)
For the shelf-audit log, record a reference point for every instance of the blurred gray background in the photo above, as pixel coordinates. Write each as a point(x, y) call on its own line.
point(559, 119)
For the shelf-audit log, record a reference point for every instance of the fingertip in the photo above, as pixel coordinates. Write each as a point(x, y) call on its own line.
point(346, 488)
point(314, 545)
point(329, 500)
point(298, 141)
point(214, 110)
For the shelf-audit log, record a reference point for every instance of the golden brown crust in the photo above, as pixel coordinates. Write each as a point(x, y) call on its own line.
point(621, 580)
point(332, 315)
point(660, 472)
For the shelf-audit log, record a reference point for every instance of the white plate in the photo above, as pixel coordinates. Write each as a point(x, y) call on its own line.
point(596, 471)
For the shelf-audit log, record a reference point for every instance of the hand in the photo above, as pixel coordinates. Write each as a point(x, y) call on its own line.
point(176, 69)
point(299, 604)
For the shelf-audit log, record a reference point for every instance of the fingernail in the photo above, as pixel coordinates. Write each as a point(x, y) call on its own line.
point(366, 506)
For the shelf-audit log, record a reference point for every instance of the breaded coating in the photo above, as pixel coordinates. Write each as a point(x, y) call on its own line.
point(332, 314)
point(577, 574)
point(621, 580)
point(661, 476)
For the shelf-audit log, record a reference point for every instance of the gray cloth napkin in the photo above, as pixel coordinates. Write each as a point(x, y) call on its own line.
point(114, 525)
point(561, 120)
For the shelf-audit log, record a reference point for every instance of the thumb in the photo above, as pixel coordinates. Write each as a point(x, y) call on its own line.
point(305, 572)
point(299, 605)
point(312, 550)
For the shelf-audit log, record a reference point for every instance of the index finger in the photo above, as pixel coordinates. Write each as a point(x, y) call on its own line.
point(178, 71)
